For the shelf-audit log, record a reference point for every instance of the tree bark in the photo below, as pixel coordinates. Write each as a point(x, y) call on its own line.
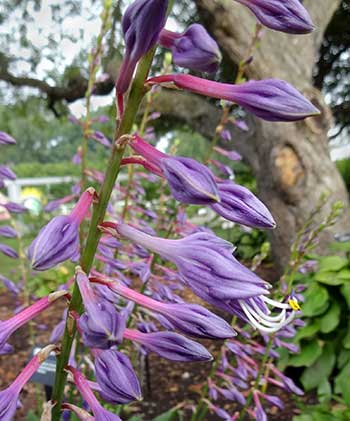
point(290, 160)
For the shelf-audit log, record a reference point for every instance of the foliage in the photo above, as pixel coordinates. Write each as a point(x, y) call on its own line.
point(325, 339)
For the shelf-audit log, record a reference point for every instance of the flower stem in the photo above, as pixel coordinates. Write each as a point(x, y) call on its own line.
point(136, 94)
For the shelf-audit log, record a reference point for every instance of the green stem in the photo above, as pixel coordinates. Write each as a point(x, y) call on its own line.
point(136, 95)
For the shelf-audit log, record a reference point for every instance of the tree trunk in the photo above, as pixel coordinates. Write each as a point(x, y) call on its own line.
point(291, 161)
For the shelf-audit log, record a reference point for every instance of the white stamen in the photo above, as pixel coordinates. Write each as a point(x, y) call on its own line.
point(263, 322)
point(275, 303)
point(266, 316)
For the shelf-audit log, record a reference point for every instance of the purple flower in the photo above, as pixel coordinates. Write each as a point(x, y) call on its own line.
point(55, 204)
point(11, 286)
point(14, 207)
point(7, 327)
point(101, 138)
point(6, 349)
point(7, 231)
point(9, 396)
point(82, 385)
point(239, 205)
point(189, 181)
point(269, 99)
point(6, 139)
point(59, 239)
point(194, 49)
point(8, 251)
point(116, 377)
point(170, 345)
point(101, 326)
point(141, 25)
point(6, 172)
point(205, 262)
point(191, 319)
point(285, 16)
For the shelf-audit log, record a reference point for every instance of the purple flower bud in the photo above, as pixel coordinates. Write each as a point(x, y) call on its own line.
point(285, 16)
point(55, 204)
point(58, 241)
point(8, 251)
point(170, 345)
point(7, 231)
point(6, 172)
point(101, 138)
point(11, 286)
point(6, 139)
point(189, 181)
point(194, 49)
point(82, 385)
point(239, 205)
point(205, 262)
point(225, 135)
point(233, 155)
point(141, 25)
point(191, 319)
point(7, 327)
point(14, 207)
point(101, 325)
point(6, 349)
point(116, 377)
point(269, 99)
point(9, 396)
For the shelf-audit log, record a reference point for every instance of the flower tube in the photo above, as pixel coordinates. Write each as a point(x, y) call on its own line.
point(269, 99)
point(7, 327)
point(9, 396)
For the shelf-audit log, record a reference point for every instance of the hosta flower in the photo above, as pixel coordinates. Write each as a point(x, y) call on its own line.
point(7, 327)
point(116, 377)
point(6, 172)
point(191, 319)
point(9, 232)
point(238, 204)
point(9, 396)
point(189, 181)
point(206, 264)
point(286, 16)
point(6, 139)
point(193, 49)
point(8, 251)
point(141, 25)
point(170, 345)
point(100, 414)
point(14, 207)
point(269, 99)
point(101, 325)
point(58, 241)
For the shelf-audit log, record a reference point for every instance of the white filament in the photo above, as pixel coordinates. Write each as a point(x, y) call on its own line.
point(264, 322)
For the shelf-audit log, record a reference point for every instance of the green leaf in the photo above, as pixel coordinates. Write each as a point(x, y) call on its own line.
point(170, 415)
point(345, 290)
point(303, 417)
point(342, 384)
point(320, 370)
point(309, 352)
point(344, 274)
point(334, 263)
point(32, 417)
point(308, 331)
point(316, 300)
point(329, 278)
point(324, 391)
point(331, 319)
point(346, 340)
point(343, 358)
